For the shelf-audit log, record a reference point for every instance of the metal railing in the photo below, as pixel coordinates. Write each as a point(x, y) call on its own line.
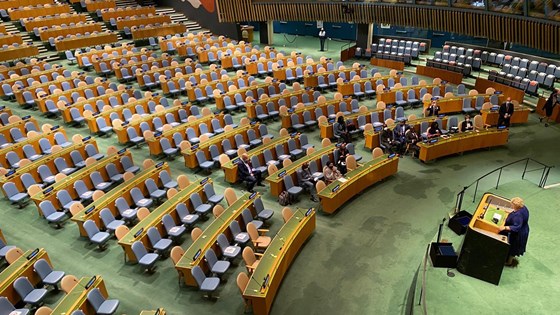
point(542, 182)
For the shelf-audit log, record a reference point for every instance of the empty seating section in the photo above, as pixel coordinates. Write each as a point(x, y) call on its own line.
point(393, 49)
point(31, 23)
point(129, 21)
point(95, 38)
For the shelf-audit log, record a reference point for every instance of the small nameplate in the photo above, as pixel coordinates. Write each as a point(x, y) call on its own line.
point(336, 188)
point(86, 138)
point(293, 134)
point(160, 164)
point(197, 254)
point(281, 174)
point(498, 92)
point(55, 127)
point(194, 147)
point(254, 122)
point(309, 211)
point(91, 282)
point(441, 115)
point(378, 129)
point(252, 195)
point(392, 155)
point(33, 254)
point(157, 133)
point(10, 173)
point(265, 281)
point(204, 181)
point(90, 209)
point(502, 127)
point(434, 140)
point(26, 117)
point(139, 232)
point(48, 190)
point(121, 151)
point(124, 123)
point(235, 161)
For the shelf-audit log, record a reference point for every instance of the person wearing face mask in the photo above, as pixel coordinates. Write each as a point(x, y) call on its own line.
point(433, 109)
point(399, 134)
point(322, 38)
point(506, 110)
point(388, 140)
point(331, 173)
point(342, 154)
point(412, 139)
point(434, 131)
point(306, 180)
point(467, 124)
point(248, 174)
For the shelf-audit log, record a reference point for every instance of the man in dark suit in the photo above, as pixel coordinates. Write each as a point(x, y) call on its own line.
point(506, 110)
point(399, 135)
point(248, 174)
point(322, 38)
point(388, 140)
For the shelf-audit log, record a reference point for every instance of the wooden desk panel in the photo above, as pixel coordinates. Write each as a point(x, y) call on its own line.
point(123, 190)
point(5, 130)
point(9, 4)
point(276, 180)
point(137, 21)
point(251, 110)
point(155, 146)
point(48, 161)
point(11, 39)
point(446, 75)
point(462, 142)
point(220, 98)
point(107, 14)
point(155, 31)
point(92, 6)
point(516, 94)
point(286, 119)
point(49, 21)
point(33, 141)
point(39, 65)
point(455, 104)
point(34, 11)
point(35, 76)
point(17, 53)
point(41, 102)
point(327, 129)
point(65, 112)
point(339, 192)
point(385, 63)
point(45, 33)
point(277, 259)
point(389, 97)
point(107, 50)
point(194, 255)
point(67, 183)
point(121, 133)
point(372, 138)
point(520, 116)
point(139, 232)
point(230, 168)
point(190, 154)
point(86, 41)
point(76, 299)
point(22, 267)
point(347, 88)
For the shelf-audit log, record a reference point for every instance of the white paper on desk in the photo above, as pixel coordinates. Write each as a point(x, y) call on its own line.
point(127, 212)
point(174, 229)
point(188, 217)
point(229, 250)
point(342, 180)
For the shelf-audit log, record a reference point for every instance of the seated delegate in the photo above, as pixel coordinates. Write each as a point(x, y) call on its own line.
point(331, 173)
point(248, 174)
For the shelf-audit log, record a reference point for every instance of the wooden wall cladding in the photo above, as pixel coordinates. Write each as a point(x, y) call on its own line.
point(539, 34)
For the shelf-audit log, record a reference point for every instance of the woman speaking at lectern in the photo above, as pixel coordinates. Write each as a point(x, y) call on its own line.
point(517, 224)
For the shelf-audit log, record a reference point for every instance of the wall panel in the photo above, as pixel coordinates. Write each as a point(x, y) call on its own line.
point(540, 34)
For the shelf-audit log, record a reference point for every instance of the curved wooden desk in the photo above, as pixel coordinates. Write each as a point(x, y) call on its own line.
point(462, 142)
point(76, 299)
point(520, 116)
point(339, 192)
point(277, 259)
point(22, 267)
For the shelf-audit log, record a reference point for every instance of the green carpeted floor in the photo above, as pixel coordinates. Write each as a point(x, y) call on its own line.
point(361, 260)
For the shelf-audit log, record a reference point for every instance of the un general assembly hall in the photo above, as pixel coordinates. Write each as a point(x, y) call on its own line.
point(178, 157)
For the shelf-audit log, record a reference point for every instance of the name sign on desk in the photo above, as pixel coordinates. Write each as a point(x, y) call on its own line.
point(392, 155)
point(309, 211)
point(157, 133)
point(281, 174)
point(55, 127)
point(90, 209)
point(265, 281)
point(252, 195)
point(235, 161)
point(432, 141)
point(378, 128)
point(336, 188)
point(33, 254)
point(26, 117)
point(495, 108)
point(10, 173)
point(204, 181)
point(121, 151)
point(86, 138)
point(498, 92)
point(124, 123)
point(293, 134)
point(160, 164)
point(441, 115)
point(48, 190)
point(194, 147)
point(91, 282)
point(138, 233)
point(197, 254)
point(254, 122)
point(502, 127)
